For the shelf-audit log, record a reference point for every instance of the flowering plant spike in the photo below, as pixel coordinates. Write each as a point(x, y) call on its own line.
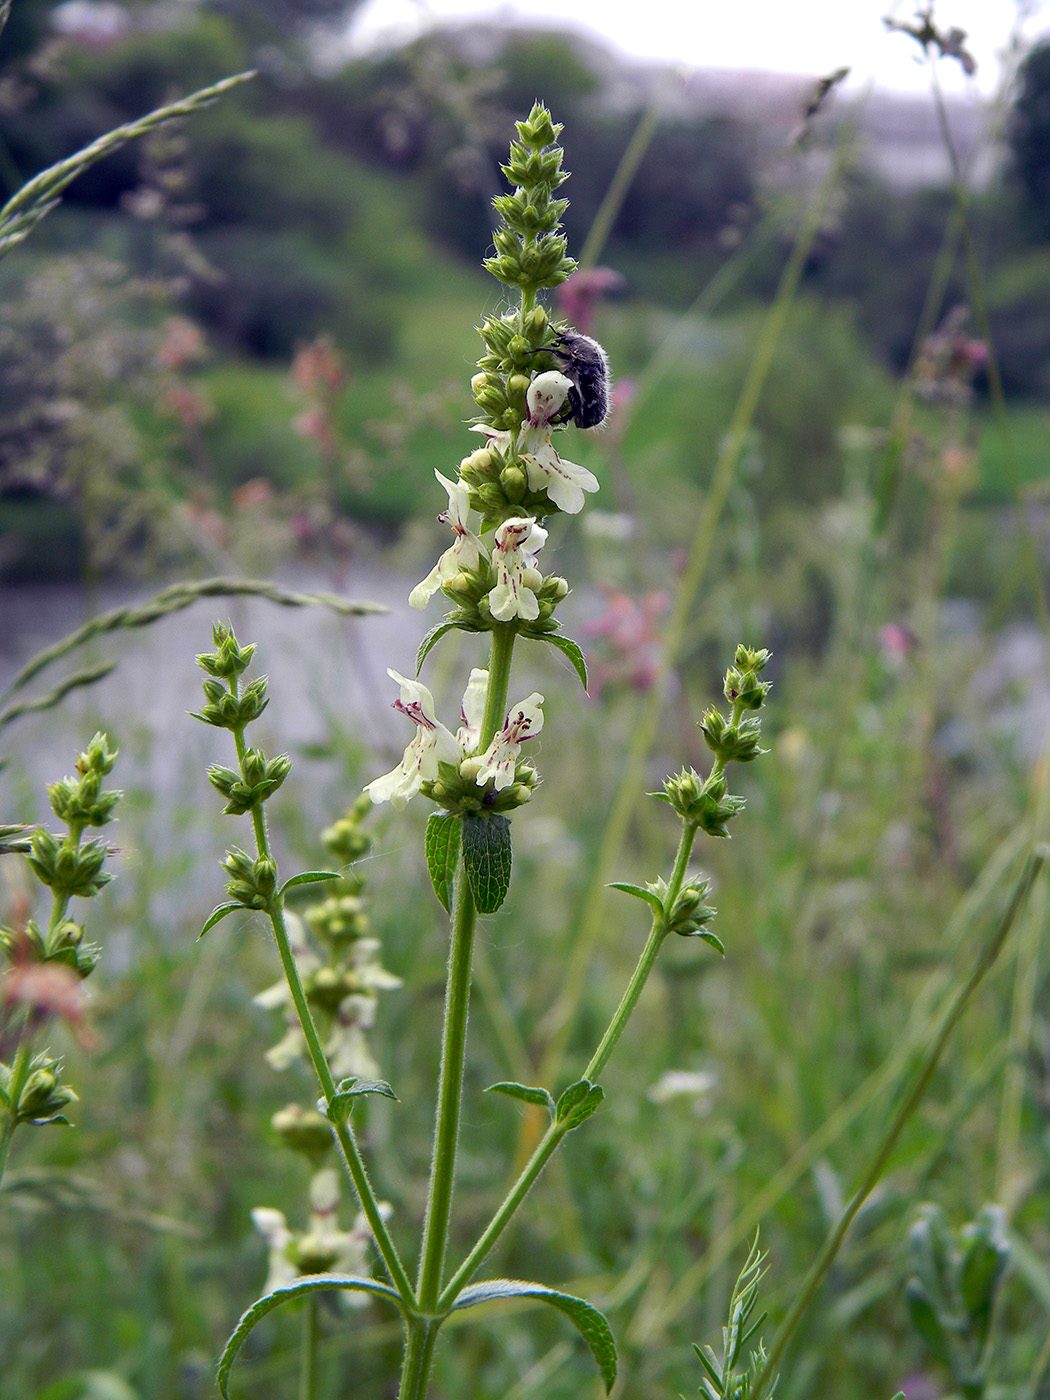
point(536, 380)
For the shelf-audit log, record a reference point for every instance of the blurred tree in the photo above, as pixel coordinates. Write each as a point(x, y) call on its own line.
point(1028, 135)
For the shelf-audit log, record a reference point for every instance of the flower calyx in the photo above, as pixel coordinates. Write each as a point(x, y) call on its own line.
point(704, 803)
point(64, 945)
point(43, 1098)
point(253, 880)
point(72, 871)
point(259, 778)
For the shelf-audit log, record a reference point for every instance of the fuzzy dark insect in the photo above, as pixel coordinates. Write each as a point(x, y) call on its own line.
point(584, 362)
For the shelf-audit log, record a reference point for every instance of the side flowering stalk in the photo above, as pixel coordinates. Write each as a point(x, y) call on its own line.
point(254, 885)
point(47, 966)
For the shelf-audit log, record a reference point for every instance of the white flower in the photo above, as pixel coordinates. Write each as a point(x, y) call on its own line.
point(465, 550)
point(432, 745)
point(564, 482)
point(273, 1227)
point(497, 762)
point(518, 541)
point(547, 393)
point(473, 711)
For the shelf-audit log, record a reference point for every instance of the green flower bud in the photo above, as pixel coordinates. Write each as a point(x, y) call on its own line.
point(44, 1096)
point(229, 659)
point(534, 324)
point(253, 882)
point(514, 483)
point(690, 916)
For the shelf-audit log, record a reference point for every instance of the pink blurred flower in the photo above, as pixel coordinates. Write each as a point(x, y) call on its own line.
point(578, 297)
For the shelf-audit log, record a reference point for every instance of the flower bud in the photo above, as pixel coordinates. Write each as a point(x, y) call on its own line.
point(514, 483)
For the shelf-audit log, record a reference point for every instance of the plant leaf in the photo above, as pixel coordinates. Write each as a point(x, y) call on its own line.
point(589, 1322)
point(312, 1283)
point(349, 1089)
point(640, 892)
point(309, 877)
point(577, 1103)
point(442, 851)
point(523, 1092)
point(217, 915)
point(487, 860)
point(430, 641)
point(570, 649)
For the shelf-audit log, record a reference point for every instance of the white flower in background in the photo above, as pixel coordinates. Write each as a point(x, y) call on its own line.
point(473, 711)
point(347, 1049)
point(324, 1248)
point(497, 762)
point(465, 550)
point(518, 541)
point(564, 482)
point(273, 1227)
point(432, 745)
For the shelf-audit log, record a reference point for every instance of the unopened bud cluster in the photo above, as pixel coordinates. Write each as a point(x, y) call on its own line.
point(46, 964)
point(689, 915)
point(707, 803)
point(252, 880)
point(457, 790)
point(43, 1097)
point(531, 250)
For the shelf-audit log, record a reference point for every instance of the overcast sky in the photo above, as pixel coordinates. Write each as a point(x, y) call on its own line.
point(795, 36)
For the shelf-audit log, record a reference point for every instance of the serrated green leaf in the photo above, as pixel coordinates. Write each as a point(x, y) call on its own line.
point(487, 860)
point(309, 877)
point(523, 1092)
point(216, 916)
point(442, 851)
point(589, 1322)
point(640, 892)
point(350, 1089)
point(577, 1103)
point(430, 641)
point(312, 1283)
point(570, 649)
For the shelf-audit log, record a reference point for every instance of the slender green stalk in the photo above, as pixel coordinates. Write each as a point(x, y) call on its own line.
point(646, 962)
point(501, 650)
point(907, 1107)
point(308, 1349)
point(551, 1139)
point(450, 1091)
point(419, 1358)
point(19, 1074)
point(343, 1133)
point(619, 185)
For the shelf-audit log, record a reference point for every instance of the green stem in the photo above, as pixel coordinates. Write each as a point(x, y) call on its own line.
point(308, 1352)
point(19, 1074)
point(343, 1133)
point(500, 652)
point(551, 1139)
point(646, 962)
point(910, 1102)
point(450, 1092)
point(419, 1358)
point(23, 1057)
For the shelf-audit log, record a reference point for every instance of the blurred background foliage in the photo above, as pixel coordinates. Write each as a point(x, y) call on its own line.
point(245, 343)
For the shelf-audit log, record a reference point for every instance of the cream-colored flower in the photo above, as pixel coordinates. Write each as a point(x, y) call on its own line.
point(497, 762)
point(432, 745)
point(518, 541)
point(465, 550)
